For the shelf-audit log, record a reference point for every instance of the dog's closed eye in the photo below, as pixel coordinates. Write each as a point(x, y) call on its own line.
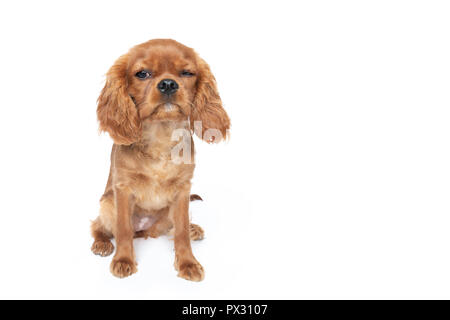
point(186, 73)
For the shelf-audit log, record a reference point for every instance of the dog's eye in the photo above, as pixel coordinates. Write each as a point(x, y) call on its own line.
point(143, 74)
point(186, 73)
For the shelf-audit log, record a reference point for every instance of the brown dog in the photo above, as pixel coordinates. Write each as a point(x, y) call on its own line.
point(158, 88)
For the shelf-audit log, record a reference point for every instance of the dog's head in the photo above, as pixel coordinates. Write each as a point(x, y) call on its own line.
point(160, 80)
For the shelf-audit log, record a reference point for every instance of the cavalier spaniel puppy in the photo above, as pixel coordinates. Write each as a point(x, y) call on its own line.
point(156, 95)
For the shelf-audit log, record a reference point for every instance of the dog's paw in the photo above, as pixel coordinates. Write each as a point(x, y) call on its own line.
point(123, 267)
point(102, 247)
point(190, 271)
point(196, 232)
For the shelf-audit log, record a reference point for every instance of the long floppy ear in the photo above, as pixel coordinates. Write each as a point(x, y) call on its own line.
point(209, 120)
point(116, 111)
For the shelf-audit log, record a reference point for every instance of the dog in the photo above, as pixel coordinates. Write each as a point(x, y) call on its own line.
point(158, 88)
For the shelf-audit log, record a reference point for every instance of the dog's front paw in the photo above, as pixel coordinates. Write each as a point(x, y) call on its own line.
point(123, 267)
point(102, 248)
point(190, 270)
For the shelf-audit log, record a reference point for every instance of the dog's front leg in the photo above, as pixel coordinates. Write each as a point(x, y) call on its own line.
point(123, 263)
point(186, 264)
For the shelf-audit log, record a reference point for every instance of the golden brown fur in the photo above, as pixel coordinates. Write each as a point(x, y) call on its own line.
point(147, 193)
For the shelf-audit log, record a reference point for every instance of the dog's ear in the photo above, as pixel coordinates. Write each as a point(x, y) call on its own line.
point(209, 120)
point(116, 111)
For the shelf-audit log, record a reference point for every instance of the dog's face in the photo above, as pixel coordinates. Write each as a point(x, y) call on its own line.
point(162, 77)
point(159, 80)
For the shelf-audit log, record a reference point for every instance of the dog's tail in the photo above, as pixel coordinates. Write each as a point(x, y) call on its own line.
point(194, 197)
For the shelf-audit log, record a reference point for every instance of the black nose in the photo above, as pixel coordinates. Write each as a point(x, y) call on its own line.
point(167, 86)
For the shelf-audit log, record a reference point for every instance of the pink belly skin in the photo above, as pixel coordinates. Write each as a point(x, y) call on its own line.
point(141, 223)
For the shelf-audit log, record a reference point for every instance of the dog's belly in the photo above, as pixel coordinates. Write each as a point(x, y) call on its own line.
point(150, 201)
point(156, 188)
point(141, 223)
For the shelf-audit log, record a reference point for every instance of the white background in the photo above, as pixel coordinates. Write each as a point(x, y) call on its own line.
point(335, 182)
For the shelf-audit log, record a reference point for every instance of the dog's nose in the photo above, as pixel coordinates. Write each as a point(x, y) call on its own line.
point(167, 86)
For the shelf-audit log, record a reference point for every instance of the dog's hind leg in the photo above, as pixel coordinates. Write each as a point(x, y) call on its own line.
point(196, 232)
point(102, 245)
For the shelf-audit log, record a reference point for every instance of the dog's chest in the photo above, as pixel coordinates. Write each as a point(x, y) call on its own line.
point(159, 183)
point(158, 179)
